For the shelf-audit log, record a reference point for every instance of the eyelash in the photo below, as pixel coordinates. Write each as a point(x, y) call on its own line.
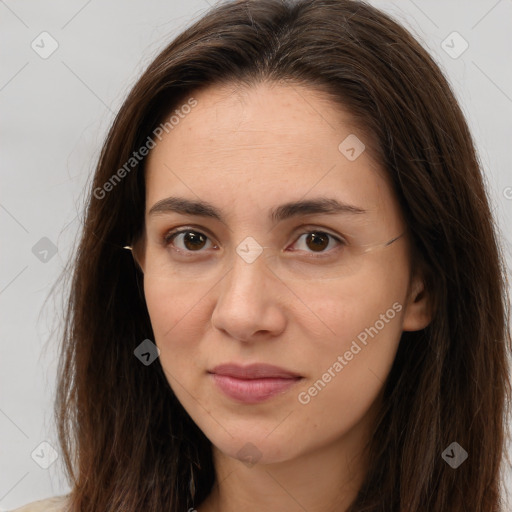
point(171, 235)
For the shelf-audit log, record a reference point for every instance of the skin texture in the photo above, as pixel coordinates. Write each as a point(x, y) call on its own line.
point(247, 152)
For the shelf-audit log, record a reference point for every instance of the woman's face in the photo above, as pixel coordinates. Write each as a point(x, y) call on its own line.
point(214, 298)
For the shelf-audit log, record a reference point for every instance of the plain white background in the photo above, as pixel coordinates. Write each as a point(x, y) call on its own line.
point(55, 112)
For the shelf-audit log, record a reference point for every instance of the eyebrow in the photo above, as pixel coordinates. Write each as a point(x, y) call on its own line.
point(201, 208)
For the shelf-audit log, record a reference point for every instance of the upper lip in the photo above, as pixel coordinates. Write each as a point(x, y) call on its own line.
point(253, 371)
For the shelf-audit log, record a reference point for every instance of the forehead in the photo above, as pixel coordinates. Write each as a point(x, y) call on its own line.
point(256, 145)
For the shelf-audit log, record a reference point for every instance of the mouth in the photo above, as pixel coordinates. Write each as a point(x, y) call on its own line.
point(253, 384)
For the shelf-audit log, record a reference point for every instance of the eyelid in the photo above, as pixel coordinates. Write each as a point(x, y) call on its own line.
point(189, 227)
point(315, 227)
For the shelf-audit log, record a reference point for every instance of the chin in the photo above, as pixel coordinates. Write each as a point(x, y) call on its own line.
point(254, 448)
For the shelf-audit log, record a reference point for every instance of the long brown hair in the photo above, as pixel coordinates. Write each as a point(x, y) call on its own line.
point(127, 442)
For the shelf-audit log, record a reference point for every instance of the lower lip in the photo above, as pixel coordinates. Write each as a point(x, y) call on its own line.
point(252, 391)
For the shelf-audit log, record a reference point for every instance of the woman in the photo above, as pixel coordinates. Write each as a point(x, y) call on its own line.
point(289, 292)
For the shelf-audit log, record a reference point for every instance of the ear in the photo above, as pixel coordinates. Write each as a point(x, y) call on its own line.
point(417, 307)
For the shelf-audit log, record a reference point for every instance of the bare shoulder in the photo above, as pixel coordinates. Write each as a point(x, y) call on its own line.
point(55, 504)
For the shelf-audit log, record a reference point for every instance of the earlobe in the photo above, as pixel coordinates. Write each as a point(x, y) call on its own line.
point(417, 308)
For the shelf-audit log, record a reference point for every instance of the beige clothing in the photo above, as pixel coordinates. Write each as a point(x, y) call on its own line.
point(55, 504)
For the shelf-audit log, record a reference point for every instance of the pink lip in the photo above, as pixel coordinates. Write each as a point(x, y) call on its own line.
point(254, 383)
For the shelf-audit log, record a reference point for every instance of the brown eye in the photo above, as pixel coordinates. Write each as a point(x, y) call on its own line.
point(318, 241)
point(193, 241)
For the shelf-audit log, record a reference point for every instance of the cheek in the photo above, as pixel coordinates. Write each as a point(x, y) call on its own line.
point(339, 313)
point(170, 304)
point(175, 318)
point(362, 326)
point(364, 337)
point(177, 321)
point(350, 371)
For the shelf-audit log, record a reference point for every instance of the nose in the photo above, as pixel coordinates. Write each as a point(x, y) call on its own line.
point(248, 305)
